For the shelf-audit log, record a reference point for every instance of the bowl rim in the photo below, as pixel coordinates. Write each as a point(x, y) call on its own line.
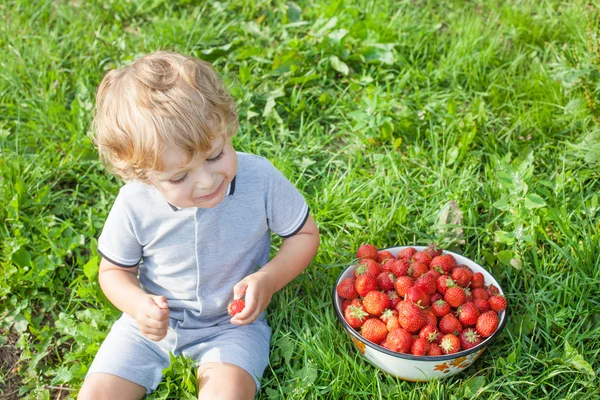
point(353, 332)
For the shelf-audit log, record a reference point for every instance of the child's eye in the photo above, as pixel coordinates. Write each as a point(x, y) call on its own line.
point(178, 181)
point(217, 158)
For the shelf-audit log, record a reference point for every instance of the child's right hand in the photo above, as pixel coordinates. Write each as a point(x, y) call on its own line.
point(152, 316)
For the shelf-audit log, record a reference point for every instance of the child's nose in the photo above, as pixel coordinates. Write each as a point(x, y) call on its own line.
point(204, 179)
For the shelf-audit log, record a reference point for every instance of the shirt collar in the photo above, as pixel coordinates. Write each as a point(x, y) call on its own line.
point(230, 191)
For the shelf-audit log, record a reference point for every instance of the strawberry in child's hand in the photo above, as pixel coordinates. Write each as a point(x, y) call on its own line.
point(236, 306)
point(367, 251)
point(487, 323)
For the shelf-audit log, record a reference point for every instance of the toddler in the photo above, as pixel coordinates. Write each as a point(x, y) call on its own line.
point(187, 233)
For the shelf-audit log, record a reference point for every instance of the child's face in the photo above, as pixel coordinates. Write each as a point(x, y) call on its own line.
point(201, 183)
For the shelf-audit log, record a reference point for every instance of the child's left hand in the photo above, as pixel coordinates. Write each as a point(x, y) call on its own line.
point(258, 290)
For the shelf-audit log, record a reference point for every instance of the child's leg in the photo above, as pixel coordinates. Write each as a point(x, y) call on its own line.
point(225, 382)
point(105, 386)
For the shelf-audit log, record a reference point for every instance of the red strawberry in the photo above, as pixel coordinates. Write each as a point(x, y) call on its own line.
point(487, 323)
point(364, 284)
point(385, 280)
point(440, 308)
point(450, 344)
point(393, 323)
point(492, 290)
point(468, 314)
point(444, 264)
point(482, 305)
point(410, 316)
point(402, 284)
point(430, 333)
point(407, 253)
point(418, 296)
point(374, 330)
point(355, 315)
point(376, 302)
point(497, 303)
point(422, 257)
point(462, 276)
point(346, 289)
point(385, 255)
point(427, 283)
point(367, 266)
point(434, 350)
point(236, 306)
point(434, 273)
point(455, 296)
point(478, 280)
point(367, 251)
point(450, 324)
point(420, 347)
point(430, 318)
point(443, 283)
point(433, 250)
point(435, 297)
point(480, 293)
point(399, 340)
point(399, 267)
point(394, 298)
point(417, 269)
point(469, 338)
point(345, 304)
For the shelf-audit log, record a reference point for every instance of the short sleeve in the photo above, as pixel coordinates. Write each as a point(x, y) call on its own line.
point(117, 242)
point(287, 210)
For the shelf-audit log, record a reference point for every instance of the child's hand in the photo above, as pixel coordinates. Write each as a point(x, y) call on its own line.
point(152, 317)
point(258, 289)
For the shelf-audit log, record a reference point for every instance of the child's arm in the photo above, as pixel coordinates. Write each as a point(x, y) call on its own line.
point(122, 288)
point(293, 257)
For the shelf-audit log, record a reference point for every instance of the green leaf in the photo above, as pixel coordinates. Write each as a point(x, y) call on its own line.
point(502, 204)
point(473, 385)
point(90, 269)
point(505, 256)
point(504, 237)
point(387, 130)
point(452, 155)
point(286, 346)
point(339, 65)
point(534, 201)
point(397, 143)
point(573, 358)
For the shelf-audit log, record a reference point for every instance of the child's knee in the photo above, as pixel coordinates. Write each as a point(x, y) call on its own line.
point(225, 381)
point(109, 387)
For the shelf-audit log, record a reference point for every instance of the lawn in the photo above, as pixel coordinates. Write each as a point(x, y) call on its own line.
point(383, 113)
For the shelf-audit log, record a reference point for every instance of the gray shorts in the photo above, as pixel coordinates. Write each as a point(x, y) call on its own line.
point(126, 353)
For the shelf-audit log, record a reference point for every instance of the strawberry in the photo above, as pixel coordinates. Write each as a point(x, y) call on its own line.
point(450, 344)
point(492, 290)
point(367, 251)
point(355, 315)
point(478, 280)
point(430, 318)
point(444, 264)
point(468, 314)
point(236, 306)
point(345, 304)
point(367, 266)
point(364, 284)
point(399, 340)
point(376, 302)
point(440, 308)
point(394, 298)
point(385, 255)
point(374, 330)
point(390, 318)
point(402, 284)
point(455, 296)
point(487, 323)
point(427, 283)
point(420, 347)
point(417, 269)
point(430, 333)
point(450, 324)
point(462, 276)
point(385, 280)
point(385, 266)
point(480, 293)
point(346, 289)
point(407, 253)
point(497, 303)
point(434, 273)
point(443, 283)
point(434, 350)
point(435, 297)
point(410, 316)
point(482, 305)
point(417, 296)
point(433, 250)
point(399, 267)
point(422, 257)
point(469, 338)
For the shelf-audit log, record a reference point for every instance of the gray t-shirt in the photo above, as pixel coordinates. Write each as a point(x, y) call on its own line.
point(194, 256)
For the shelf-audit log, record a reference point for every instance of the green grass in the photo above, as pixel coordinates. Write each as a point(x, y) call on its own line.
point(381, 112)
